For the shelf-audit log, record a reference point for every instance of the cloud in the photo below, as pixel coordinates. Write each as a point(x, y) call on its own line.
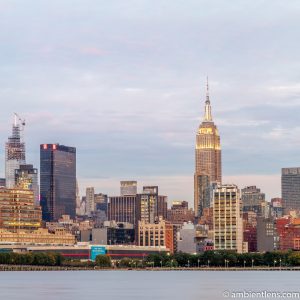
point(93, 51)
point(124, 82)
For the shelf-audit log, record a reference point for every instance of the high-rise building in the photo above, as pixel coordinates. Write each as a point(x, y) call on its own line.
point(290, 188)
point(252, 199)
point(204, 195)
point(27, 177)
point(162, 206)
point(147, 204)
point(122, 209)
point(78, 200)
point(228, 223)
point(57, 181)
point(207, 159)
point(14, 152)
point(90, 200)
point(128, 188)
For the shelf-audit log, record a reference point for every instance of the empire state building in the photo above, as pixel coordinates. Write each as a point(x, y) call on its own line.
point(207, 160)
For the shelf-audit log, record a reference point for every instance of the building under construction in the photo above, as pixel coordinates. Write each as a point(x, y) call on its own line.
point(14, 151)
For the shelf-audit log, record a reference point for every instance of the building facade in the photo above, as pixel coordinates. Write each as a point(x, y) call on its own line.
point(2, 182)
point(158, 234)
point(267, 238)
point(27, 177)
point(122, 209)
point(207, 159)
point(180, 213)
point(228, 224)
point(39, 236)
point(288, 231)
point(290, 188)
point(101, 202)
point(18, 210)
point(90, 200)
point(57, 181)
point(252, 199)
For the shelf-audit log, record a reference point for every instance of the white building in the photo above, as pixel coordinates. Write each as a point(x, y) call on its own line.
point(228, 223)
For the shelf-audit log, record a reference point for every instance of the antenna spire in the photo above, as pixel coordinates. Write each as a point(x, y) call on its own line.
point(207, 89)
point(207, 115)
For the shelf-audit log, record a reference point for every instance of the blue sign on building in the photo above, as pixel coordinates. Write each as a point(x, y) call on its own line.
point(97, 250)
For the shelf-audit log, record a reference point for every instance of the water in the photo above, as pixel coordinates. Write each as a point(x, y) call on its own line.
point(127, 285)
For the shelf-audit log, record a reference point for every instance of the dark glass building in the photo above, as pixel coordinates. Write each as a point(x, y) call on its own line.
point(57, 181)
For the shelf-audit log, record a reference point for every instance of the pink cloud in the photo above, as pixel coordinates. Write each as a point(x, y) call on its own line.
point(92, 51)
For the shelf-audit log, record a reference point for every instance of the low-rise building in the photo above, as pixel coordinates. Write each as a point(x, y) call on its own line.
point(156, 234)
point(39, 236)
point(288, 229)
point(193, 238)
point(18, 210)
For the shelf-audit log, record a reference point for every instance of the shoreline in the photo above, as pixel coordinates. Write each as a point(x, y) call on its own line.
point(6, 268)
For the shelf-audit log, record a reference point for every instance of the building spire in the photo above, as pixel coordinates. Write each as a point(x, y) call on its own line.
point(207, 89)
point(207, 115)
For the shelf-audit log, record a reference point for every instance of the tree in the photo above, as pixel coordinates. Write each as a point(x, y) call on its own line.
point(103, 261)
point(125, 262)
point(294, 258)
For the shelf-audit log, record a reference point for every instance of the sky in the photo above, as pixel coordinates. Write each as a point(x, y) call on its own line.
point(124, 82)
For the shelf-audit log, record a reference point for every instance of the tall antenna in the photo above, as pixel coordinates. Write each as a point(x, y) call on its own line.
point(207, 89)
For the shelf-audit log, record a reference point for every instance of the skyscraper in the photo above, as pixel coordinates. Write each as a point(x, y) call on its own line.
point(290, 188)
point(14, 152)
point(207, 159)
point(90, 200)
point(147, 204)
point(57, 181)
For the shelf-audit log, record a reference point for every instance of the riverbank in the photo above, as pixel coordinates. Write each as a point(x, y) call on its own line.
point(87, 268)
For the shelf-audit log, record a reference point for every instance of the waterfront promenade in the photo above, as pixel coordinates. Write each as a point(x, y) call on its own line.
point(95, 268)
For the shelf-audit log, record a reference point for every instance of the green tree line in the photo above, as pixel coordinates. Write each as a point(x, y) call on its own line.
point(208, 258)
point(31, 258)
point(225, 258)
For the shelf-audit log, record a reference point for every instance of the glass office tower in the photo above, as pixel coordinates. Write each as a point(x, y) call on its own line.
point(57, 181)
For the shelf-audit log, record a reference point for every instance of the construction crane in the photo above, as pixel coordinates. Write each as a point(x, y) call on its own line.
point(22, 124)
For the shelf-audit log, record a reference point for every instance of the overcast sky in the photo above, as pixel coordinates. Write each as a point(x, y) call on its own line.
point(124, 82)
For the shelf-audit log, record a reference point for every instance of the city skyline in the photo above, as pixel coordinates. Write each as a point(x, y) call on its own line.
point(78, 84)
